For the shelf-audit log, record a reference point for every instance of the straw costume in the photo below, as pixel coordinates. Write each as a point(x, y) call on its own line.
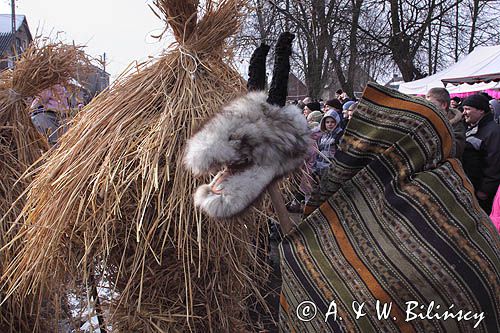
point(40, 66)
point(113, 204)
point(396, 221)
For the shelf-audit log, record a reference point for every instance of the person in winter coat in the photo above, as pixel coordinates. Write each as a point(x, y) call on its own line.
point(495, 107)
point(327, 144)
point(351, 109)
point(311, 107)
point(334, 104)
point(481, 158)
point(440, 97)
point(345, 113)
point(314, 118)
point(309, 177)
point(48, 108)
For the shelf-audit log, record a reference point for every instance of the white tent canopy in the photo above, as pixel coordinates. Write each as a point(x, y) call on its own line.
point(482, 61)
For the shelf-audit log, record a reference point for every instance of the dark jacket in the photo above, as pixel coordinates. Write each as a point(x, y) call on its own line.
point(481, 158)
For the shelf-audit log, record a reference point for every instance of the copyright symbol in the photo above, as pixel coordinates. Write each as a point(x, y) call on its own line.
point(306, 311)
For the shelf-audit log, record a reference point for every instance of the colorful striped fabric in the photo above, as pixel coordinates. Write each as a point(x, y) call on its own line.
point(395, 226)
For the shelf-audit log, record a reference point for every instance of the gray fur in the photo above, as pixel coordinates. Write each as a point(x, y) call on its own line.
point(275, 141)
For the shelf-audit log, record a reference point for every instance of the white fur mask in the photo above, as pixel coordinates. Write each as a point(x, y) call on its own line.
point(253, 143)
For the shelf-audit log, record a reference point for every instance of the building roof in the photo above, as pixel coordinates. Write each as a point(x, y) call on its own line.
point(296, 88)
point(6, 40)
point(6, 23)
point(6, 37)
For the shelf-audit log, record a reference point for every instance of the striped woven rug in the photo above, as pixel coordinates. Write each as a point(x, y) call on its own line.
point(395, 240)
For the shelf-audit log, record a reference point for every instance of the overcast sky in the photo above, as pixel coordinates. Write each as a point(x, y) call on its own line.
point(121, 28)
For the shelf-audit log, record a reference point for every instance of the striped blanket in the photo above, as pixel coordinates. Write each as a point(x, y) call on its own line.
point(395, 240)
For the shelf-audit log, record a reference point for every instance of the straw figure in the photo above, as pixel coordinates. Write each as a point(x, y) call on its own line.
point(113, 202)
point(42, 65)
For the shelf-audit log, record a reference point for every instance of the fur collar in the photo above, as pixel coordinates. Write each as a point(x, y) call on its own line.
point(454, 116)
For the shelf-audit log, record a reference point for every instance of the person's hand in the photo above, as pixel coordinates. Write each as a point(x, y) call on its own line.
point(481, 195)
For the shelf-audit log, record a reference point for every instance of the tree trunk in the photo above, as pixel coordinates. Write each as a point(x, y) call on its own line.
point(429, 49)
point(348, 87)
point(475, 11)
point(313, 76)
point(402, 51)
point(436, 46)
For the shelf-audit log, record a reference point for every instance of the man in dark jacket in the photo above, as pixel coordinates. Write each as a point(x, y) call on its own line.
point(481, 158)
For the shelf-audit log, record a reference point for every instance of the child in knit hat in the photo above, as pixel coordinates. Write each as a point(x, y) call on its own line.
point(327, 144)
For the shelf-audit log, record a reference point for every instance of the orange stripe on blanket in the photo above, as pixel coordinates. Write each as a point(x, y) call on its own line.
point(381, 98)
point(309, 209)
point(283, 302)
point(465, 180)
point(284, 305)
point(350, 255)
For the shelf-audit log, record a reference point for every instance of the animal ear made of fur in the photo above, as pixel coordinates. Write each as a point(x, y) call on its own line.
point(279, 84)
point(257, 69)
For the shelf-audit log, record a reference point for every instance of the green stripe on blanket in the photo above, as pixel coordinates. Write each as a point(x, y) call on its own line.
point(394, 223)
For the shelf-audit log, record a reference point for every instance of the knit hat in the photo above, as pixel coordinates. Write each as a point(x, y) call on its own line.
point(314, 106)
point(478, 101)
point(313, 124)
point(315, 116)
point(329, 114)
point(334, 103)
point(347, 105)
point(485, 94)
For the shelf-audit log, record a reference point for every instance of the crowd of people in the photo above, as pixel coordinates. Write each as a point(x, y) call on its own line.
point(475, 122)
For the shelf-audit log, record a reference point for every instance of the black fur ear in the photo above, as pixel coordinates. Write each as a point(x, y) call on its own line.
point(279, 84)
point(257, 68)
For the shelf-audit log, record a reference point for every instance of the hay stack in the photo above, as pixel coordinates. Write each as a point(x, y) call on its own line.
point(114, 200)
point(40, 66)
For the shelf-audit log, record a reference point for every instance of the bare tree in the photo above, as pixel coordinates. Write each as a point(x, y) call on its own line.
point(312, 21)
point(344, 50)
point(468, 24)
point(337, 39)
point(327, 41)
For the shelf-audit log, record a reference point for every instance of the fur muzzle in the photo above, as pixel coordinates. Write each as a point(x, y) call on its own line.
point(249, 145)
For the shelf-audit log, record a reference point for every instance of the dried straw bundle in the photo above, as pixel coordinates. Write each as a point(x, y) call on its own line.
point(114, 201)
point(40, 66)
